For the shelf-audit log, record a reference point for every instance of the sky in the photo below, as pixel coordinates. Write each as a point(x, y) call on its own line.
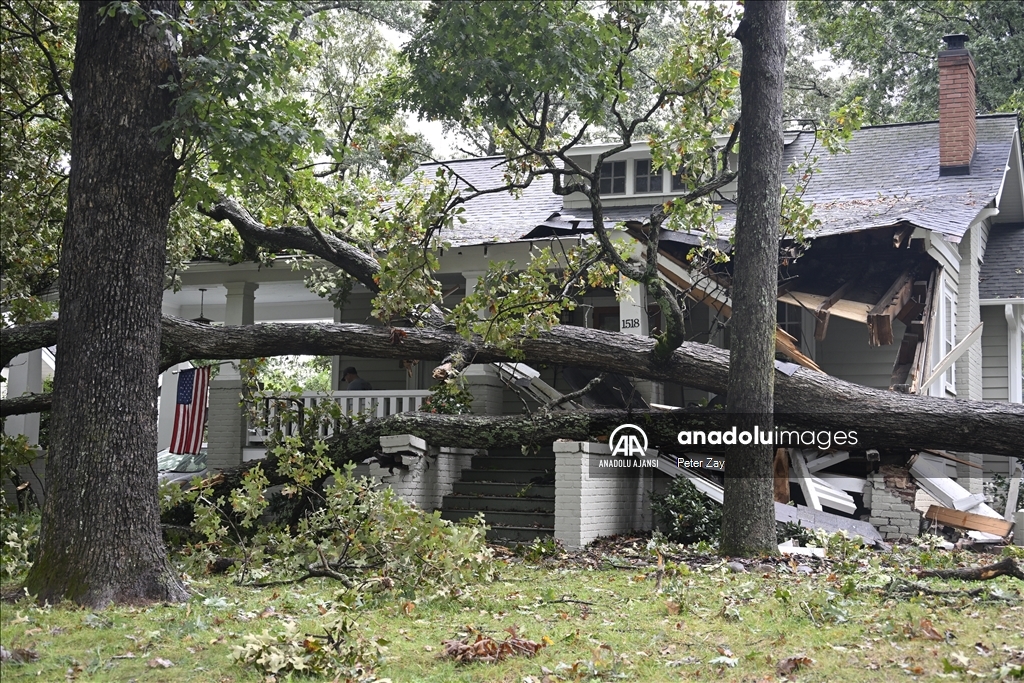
point(431, 130)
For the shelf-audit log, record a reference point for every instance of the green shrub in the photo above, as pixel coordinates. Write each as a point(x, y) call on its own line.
point(19, 535)
point(686, 514)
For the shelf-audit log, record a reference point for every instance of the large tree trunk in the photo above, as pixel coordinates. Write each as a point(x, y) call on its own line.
point(101, 538)
point(808, 399)
point(748, 513)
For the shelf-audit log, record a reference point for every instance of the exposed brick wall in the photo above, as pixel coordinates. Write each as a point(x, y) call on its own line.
point(957, 111)
point(893, 516)
point(427, 480)
point(225, 425)
point(590, 507)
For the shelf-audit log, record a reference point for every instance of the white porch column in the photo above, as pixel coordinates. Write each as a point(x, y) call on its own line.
point(633, 312)
point(1014, 314)
point(483, 380)
point(590, 504)
point(226, 424)
point(25, 374)
point(633, 320)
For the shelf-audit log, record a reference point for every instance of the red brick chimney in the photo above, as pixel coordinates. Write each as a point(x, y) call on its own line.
point(957, 124)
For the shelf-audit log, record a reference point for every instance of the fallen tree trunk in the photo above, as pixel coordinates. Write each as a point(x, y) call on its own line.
point(1005, 567)
point(805, 399)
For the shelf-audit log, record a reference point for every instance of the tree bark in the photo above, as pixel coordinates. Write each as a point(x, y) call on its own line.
point(807, 399)
point(100, 539)
point(748, 513)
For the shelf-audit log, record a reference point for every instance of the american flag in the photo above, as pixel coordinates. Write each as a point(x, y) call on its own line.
point(190, 410)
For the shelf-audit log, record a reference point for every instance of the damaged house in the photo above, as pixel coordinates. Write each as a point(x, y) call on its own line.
point(914, 283)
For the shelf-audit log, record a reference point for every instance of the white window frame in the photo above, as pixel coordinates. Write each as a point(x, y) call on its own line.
point(651, 175)
point(609, 168)
point(947, 334)
point(793, 322)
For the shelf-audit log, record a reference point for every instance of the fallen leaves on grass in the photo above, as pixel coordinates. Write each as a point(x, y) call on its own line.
point(487, 649)
point(791, 664)
point(159, 663)
point(18, 655)
point(928, 631)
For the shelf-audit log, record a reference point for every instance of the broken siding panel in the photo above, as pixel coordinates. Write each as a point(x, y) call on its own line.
point(845, 354)
point(994, 355)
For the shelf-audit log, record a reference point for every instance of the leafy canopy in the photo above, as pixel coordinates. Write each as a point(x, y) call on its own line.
point(892, 46)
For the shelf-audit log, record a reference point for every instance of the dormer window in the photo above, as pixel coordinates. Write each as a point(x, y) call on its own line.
point(613, 177)
point(647, 179)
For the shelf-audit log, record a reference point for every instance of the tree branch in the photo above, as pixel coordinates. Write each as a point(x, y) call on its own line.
point(360, 265)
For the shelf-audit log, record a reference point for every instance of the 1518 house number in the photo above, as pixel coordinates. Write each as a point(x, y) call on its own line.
point(630, 323)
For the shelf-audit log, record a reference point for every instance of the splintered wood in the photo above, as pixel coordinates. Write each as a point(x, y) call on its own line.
point(968, 521)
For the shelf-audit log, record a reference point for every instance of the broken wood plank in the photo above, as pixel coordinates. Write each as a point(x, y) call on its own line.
point(680, 275)
point(843, 482)
point(922, 329)
point(803, 479)
point(954, 355)
point(780, 475)
point(786, 343)
point(823, 461)
point(880, 316)
point(829, 496)
point(822, 314)
point(904, 359)
point(968, 521)
point(844, 308)
point(932, 479)
point(1011, 495)
point(947, 492)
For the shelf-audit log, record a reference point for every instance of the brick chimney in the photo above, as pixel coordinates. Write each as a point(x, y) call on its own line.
point(957, 124)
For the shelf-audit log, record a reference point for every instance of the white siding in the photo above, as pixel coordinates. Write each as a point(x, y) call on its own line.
point(846, 354)
point(994, 356)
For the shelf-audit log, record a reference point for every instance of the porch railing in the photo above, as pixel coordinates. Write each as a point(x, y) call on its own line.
point(287, 413)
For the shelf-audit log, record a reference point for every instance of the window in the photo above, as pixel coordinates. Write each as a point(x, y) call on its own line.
point(789, 319)
point(606, 318)
point(613, 177)
point(677, 183)
point(948, 340)
point(647, 179)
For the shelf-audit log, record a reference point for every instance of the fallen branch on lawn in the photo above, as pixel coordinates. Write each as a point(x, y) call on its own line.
point(1005, 567)
point(898, 585)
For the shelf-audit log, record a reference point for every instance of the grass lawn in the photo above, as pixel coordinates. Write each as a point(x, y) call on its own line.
point(598, 613)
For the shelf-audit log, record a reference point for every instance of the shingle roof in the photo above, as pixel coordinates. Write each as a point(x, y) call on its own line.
point(499, 216)
point(890, 176)
point(1002, 273)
